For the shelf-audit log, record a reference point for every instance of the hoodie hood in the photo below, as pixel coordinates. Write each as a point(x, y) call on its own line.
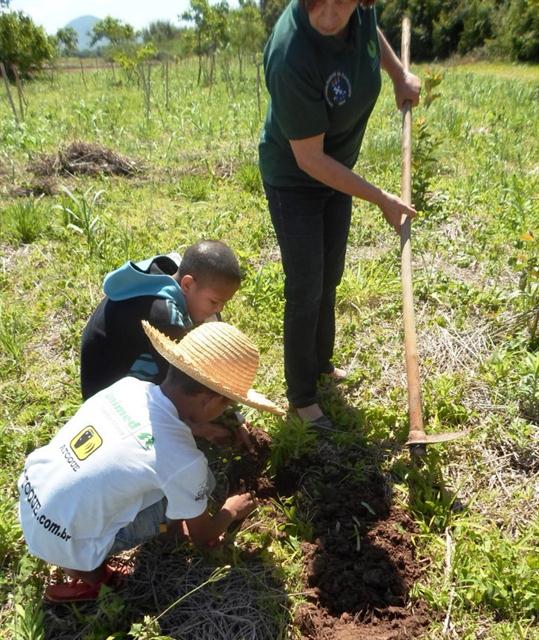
point(134, 279)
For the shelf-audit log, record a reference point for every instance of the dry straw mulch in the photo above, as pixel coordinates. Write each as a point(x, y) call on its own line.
point(168, 584)
point(85, 158)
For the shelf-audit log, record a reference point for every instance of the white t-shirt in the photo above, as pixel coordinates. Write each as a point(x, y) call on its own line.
point(122, 451)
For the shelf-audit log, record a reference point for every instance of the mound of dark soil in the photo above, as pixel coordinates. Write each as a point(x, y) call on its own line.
point(361, 565)
point(84, 158)
point(397, 624)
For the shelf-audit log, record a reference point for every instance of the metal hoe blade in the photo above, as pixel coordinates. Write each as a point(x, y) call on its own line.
point(420, 437)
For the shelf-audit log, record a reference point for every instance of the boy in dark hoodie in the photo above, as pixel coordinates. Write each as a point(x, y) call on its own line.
point(172, 297)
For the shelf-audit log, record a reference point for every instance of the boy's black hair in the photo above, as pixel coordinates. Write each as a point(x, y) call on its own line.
point(185, 383)
point(209, 260)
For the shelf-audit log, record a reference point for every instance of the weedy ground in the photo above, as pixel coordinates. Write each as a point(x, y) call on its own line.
point(476, 259)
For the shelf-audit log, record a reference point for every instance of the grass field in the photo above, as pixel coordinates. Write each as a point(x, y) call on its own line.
point(471, 508)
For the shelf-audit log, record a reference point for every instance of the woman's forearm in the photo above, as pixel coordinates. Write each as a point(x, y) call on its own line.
point(312, 159)
point(337, 176)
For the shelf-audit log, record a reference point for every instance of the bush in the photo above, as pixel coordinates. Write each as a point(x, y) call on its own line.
point(517, 30)
point(426, 17)
point(478, 19)
point(23, 222)
point(24, 44)
point(441, 28)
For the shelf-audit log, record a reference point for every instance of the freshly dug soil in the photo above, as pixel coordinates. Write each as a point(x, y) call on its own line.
point(361, 581)
point(361, 564)
point(246, 473)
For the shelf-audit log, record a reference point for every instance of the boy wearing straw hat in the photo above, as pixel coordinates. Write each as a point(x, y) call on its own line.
point(127, 461)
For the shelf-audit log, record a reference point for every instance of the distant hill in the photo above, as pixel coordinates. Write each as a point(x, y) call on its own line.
point(83, 25)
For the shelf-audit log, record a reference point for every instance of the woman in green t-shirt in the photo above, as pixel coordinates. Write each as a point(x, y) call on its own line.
point(322, 69)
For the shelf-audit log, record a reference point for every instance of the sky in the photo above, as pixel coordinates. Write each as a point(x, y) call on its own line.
point(54, 14)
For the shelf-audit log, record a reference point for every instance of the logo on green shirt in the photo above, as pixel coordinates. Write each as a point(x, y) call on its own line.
point(338, 89)
point(371, 48)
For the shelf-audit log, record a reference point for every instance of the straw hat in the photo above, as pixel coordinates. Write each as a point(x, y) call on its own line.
point(217, 355)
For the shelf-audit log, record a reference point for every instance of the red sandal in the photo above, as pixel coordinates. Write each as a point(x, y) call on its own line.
point(76, 590)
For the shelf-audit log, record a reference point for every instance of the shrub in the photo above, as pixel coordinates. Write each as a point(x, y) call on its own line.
point(442, 27)
point(517, 30)
point(24, 44)
point(23, 221)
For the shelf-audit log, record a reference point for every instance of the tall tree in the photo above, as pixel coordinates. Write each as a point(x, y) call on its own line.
point(246, 30)
point(210, 27)
point(517, 30)
point(68, 39)
point(443, 27)
point(160, 31)
point(118, 33)
point(271, 10)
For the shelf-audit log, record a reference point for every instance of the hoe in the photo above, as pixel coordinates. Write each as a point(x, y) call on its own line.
point(417, 438)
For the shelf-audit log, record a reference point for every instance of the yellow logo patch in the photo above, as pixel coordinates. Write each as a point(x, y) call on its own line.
point(85, 443)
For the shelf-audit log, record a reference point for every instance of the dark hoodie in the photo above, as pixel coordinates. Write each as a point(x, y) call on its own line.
point(114, 344)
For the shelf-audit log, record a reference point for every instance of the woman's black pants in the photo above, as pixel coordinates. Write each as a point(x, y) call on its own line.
point(312, 227)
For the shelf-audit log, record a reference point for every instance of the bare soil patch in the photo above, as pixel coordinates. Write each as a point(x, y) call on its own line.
point(360, 567)
point(246, 473)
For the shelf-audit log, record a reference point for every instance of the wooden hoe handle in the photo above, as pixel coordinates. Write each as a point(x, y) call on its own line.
point(417, 432)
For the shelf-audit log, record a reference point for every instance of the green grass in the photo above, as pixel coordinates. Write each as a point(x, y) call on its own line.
point(476, 289)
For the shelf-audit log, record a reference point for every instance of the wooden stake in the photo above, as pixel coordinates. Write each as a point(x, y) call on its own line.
point(22, 99)
point(149, 88)
point(82, 73)
point(212, 69)
point(166, 84)
point(8, 91)
point(146, 87)
point(258, 89)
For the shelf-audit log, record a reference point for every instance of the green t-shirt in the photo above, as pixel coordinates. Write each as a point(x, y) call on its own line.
point(317, 84)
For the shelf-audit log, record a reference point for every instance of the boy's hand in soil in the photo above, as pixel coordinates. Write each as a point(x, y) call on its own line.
point(240, 505)
point(205, 529)
point(236, 422)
